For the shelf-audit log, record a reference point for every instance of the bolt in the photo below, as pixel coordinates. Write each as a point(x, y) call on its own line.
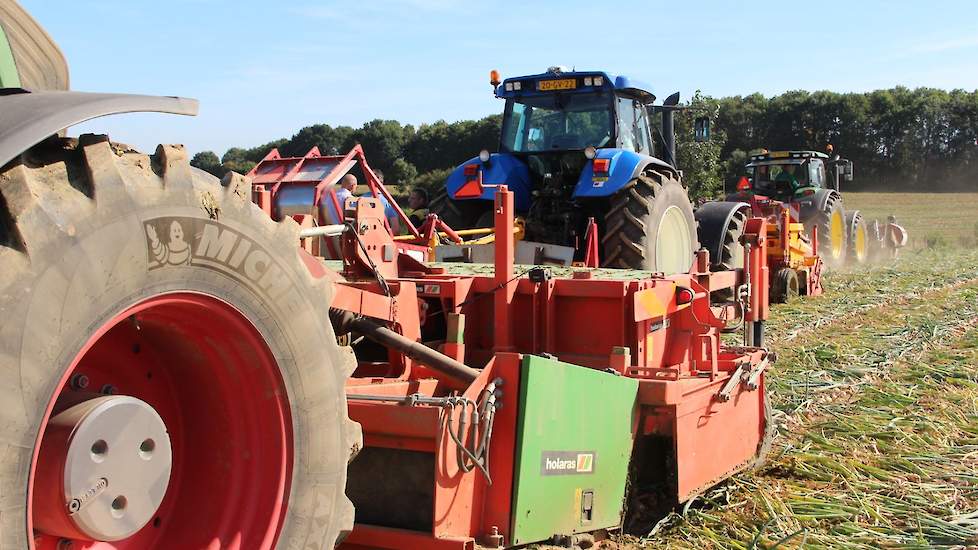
point(109, 389)
point(65, 544)
point(79, 382)
point(494, 539)
point(74, 506)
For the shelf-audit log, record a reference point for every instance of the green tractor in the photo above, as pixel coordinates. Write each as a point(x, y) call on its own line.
point(809, 182)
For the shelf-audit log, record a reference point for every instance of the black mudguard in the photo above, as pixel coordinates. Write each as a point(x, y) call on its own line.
point(27, 118)
point(712, 221)
point(809, 207)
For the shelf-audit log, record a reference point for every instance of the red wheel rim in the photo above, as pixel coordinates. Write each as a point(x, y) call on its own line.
point(211, 377)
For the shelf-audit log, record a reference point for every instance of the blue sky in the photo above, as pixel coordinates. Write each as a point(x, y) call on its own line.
point(263, 69)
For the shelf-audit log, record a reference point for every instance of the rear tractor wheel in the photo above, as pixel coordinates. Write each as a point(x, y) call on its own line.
point(172, 379)
point(650, 225)
point(833, 236)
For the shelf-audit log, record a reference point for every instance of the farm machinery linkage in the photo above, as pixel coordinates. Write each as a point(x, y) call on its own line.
point(567, 426)
point(181, 371)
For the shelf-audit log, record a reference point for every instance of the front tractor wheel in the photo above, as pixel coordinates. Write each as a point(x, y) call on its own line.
point(172, 380)
point(650, 226)
point(858, 252)
point(785, 286)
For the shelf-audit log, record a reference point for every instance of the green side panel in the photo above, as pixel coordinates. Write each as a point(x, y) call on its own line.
point(574, 441)
point(8, 69)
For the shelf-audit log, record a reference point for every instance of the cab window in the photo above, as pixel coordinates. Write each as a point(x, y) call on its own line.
point(626, 124)
point(816, 173)
point(633, 126)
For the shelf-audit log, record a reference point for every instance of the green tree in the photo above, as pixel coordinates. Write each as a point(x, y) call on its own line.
point(329, 140)
point(208, 162)
point(700, 161)
point(401, 172)
point(383, 141)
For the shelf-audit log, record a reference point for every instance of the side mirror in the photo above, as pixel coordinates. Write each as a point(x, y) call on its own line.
point(847, 171)
point(701, 129)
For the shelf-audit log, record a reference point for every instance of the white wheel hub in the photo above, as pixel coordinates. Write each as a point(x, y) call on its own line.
point(117, 465)
point(673, 243)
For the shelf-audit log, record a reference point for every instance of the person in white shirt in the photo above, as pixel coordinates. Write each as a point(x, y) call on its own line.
point(343, 191)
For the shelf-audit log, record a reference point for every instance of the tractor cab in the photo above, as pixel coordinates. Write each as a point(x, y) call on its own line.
point(560, 111)
point(781, 175)
point(575, 148)
point(567, 136)
point(786, 175)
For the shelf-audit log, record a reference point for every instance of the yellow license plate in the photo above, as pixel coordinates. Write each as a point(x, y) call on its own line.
point(779, 155)
point(562, 84)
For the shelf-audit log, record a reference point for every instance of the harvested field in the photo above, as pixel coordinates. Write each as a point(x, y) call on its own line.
point(946, 218)
point(876, 394)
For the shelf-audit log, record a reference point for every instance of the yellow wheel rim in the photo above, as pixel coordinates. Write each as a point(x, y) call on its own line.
point(860, 242)
point(837, 229)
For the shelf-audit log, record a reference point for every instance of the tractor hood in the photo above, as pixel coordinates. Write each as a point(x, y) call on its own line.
point(502, 169)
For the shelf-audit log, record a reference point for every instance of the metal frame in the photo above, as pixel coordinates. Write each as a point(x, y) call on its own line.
point(273, 173)
point(661, 331)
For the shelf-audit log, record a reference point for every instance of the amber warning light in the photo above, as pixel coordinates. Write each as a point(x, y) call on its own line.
point(494, 77)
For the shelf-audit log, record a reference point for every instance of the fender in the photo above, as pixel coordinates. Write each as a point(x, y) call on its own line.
point(502, 169)
point(712, 220)
point(809, 207)
point(624, 166)
point(27, 118)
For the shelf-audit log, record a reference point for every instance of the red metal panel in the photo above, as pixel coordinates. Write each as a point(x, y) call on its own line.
point(391, 419)
point(714, 439)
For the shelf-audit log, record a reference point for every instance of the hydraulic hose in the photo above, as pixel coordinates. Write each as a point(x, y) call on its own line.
point(346, 321)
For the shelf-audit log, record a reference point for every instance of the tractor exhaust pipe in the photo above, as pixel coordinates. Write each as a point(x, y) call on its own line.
point(668, 109)
point(346, 321)
point(669, 136)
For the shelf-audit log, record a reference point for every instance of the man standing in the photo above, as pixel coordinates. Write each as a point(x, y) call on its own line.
point(418, 202)
point(343, 191)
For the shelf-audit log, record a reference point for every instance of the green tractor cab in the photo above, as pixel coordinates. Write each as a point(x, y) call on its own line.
point(810, 182)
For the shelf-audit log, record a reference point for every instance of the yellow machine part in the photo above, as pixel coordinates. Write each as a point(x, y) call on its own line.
point(800, 251)
point(482, 235)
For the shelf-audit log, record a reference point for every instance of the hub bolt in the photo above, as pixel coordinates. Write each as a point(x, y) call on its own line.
point(79, 382)
point(109, 389)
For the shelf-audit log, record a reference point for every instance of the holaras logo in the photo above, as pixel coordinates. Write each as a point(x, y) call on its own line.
point(183, 241)
point(567, 462)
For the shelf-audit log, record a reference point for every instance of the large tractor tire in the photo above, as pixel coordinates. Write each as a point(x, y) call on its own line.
point(859, 238)
point(833, 238)
point(466, 214)
point(650, 226)
point(170, 377)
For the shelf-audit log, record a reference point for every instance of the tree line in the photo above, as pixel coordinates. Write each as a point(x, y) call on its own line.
point(899, 139)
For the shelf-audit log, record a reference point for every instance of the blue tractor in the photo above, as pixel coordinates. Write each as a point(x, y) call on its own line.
point(577, 146)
